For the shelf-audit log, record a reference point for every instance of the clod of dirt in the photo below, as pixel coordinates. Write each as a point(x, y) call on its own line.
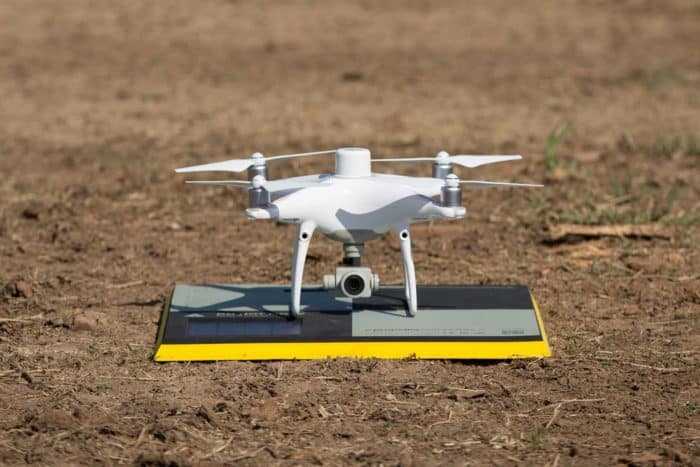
point(203, 413)
point(648, 265)
point(350, 76)
point(85, 322)
point(18, 289)
point(55, 419)
point(465, 394)
point(107, 430)
point(155, 460)
point(674, 258)
point(645, 458)
point(588, 156)
point(557, 175)
point(220, 407)
point(32, 210)
point(78, 321)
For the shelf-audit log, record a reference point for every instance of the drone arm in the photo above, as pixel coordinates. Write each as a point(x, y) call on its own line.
point(408, 269)
point(304, 232)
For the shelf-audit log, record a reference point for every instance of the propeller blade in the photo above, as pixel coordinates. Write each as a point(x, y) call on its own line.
point(239, 183)
point(472, 161)
point(483, 184)
point(233, 165)
point(239, 165)
point(405, 159)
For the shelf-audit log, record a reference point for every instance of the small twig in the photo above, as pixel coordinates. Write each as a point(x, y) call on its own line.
point(219, 449)
point(401, 402)
point(505, 390)
point(554, 416)
point(129, 378)
point(558, 406)
point(640, 365)
point(570, 401)
point(126, 285)
point(247, 455)
point(142, 435)
point(28, 319)
point(194, 433)
point(279, 371)
point(328, 378)
point(656, 368)
point(8, 445)
point(449, 419)
point(559, 232)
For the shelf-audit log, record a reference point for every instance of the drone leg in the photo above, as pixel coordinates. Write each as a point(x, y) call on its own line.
point(409, 270)
point(304, 232)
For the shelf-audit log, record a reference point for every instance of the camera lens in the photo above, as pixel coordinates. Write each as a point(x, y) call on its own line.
point(354, 284)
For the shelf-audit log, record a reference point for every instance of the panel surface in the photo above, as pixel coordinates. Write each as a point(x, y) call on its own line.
point(218, 322)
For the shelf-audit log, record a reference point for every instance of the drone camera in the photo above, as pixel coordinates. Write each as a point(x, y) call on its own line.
point(352, 282)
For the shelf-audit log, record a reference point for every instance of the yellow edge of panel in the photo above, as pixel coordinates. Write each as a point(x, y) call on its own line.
point(318, 350)
point(387, 350)
point(540, 323)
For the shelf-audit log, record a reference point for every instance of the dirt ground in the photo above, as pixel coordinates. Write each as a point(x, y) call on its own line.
point(99, 101)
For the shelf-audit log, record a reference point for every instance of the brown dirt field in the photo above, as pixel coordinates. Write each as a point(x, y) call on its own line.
point(99, 101)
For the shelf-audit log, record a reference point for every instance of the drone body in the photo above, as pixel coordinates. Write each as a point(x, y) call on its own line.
point(354, 205)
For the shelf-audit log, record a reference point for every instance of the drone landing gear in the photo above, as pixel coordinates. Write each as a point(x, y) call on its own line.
point(409, 270)
point(301, 247)
point(357, 285)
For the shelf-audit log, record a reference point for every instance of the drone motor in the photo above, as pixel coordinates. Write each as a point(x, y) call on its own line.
point(451, 193)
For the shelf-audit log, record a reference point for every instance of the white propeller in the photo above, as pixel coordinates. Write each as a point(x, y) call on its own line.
point(273, 186)
point(453, 181)
point(240, 183)
point(464, 160)
point(483, 184)
point(239, 165)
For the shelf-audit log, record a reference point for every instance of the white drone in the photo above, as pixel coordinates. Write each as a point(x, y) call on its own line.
point(354, 205)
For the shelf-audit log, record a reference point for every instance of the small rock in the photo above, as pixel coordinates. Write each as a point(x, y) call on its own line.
point(220, 406)
point(83, 322)
point(557, 175)
point(323, 412)
point(588, 156)
point(19, 289)
point(646, 265)
point(54, 419)
point(352, 76)
point(27, 377)
point(674, 258)
point(466, 394)
point(32, 210)
point(202, 412)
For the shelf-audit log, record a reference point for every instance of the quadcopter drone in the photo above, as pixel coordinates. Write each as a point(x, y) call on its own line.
point(354, 205)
